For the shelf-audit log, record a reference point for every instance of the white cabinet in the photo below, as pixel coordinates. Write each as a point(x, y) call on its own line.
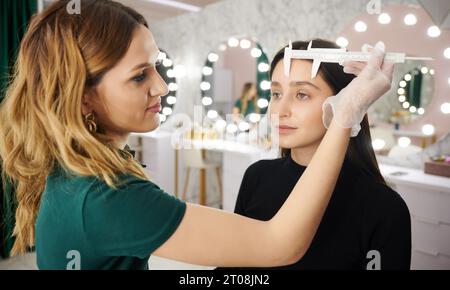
point(159, 157)
point(428, 200)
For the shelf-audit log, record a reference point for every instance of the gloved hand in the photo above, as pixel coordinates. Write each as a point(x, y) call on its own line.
point(373, 80)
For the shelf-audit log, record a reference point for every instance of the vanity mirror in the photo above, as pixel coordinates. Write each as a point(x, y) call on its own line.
point(235, 80)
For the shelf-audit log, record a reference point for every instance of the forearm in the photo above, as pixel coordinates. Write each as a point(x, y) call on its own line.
point(212, 237)
point(296, 223)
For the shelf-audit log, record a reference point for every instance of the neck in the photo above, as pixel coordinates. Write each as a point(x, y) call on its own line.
point(303, 155)
point(120, 140)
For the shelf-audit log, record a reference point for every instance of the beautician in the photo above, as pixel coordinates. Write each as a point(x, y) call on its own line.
point(82, 84)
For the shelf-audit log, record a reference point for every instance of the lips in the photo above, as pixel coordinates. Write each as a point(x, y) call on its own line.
point(286, 129)
point(154, 109)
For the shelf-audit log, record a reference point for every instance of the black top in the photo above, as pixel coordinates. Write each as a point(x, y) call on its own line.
point(362, 215)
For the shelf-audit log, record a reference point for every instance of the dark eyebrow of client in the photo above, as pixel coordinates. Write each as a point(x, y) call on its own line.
point(297, 83)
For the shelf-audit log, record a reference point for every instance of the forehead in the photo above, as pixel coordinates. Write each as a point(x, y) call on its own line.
point(143, 48)
point(300, 71)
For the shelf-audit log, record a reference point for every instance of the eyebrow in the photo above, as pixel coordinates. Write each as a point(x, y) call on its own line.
point(297, 83)
point(142, 65)
point(146, 64)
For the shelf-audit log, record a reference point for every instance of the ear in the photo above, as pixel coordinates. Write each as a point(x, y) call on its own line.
point(86, 103)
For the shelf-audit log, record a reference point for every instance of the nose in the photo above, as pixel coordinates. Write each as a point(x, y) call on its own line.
point(158, 87)
point(284, 108)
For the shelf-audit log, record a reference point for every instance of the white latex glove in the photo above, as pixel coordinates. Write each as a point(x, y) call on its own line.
point(373, 80)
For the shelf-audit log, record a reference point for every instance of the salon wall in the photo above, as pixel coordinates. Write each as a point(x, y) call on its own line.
point(189, 38)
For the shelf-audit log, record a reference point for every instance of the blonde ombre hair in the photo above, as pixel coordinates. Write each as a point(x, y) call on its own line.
point(245, 96)
point(41, 124)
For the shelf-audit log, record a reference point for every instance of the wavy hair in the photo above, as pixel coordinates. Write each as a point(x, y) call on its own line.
point(41, 125)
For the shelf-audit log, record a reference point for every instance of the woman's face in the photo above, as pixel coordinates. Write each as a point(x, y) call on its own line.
point(128, 98)
point(298, 100)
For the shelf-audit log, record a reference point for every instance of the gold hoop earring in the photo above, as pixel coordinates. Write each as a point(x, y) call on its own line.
point(90, 122)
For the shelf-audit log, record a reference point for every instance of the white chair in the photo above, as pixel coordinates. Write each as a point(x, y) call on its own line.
point(398, 151)
point(194, 159)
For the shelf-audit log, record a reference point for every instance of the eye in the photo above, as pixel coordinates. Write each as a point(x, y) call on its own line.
point(140, 78)
point(302, 96)
point(275, 95)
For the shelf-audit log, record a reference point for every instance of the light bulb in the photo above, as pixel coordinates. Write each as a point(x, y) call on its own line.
point(360, 26)
point(384, 18)
point(428, 129)
point(342, 41)
point(410, 19)
point(434, 31)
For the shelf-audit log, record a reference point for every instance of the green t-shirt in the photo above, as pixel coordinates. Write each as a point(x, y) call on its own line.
point(250, 107)
point(84, 224)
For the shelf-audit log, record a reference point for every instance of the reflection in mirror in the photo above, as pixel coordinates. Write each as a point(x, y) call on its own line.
point(169, 74)
point(413, 113)
point(409, 97)
point(236, 80)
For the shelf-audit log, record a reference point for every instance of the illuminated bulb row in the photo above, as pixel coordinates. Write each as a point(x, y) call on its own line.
point(234, 42)
point(403, 142)
point(427, 129)
point(401, 92)
point(384, 18)
point(262, 67)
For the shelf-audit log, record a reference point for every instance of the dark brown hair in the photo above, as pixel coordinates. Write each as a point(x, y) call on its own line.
point(360, 151)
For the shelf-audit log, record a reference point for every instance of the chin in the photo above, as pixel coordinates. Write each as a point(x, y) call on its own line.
point(148, 127)
point(153, 124)
point(152, 128)
point(296, 141)
point(288, 142)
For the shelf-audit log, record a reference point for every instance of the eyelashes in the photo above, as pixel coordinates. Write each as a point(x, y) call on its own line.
point(140, 78)
point(301, 96)
point(275, 95)
point(143, 76)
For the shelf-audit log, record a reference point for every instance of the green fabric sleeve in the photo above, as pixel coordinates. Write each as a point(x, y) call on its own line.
point(133, 220)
